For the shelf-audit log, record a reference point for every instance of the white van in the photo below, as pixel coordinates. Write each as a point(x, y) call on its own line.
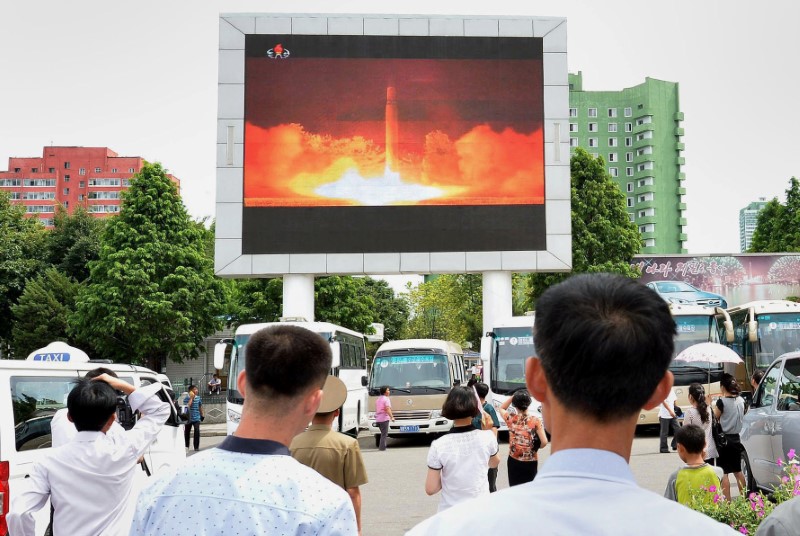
point(32, 391)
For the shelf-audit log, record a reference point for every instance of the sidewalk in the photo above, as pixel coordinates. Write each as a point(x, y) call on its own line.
point(209, 430)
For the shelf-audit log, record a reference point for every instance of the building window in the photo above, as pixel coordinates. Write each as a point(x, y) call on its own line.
point(612, 127)
point(103, 195)
point(629, 172)
point(630, 187)
point(573, 127)
point(646, 120)
point(82, 184)
point(66, 191)
point(573, 112)
point(594, 155)
point(131, 170)
point(573, 142)
point(66, 204)
point(612, 112)
point(639, 106)
point(646, 197)
point(650, 243)
point(66, 178)
point(103, 182)
point(644, 166)
point(628, 142)
point(127, 182)
point(612, 157)
point(81, 197)
point(631, 216)
point(628, 127)
point(629, 157)
point(82, 171)
point(644, 150)
point(14, 195)
point(592, 127)
point(39, 196)
point(113, 170)
point(592, 142)
point(628, 112)
point(97, 170)
point(39, 182)
point(66, 165)
point(51, 170)
point(34, 170)
point(612, 142)
point(646, 182)
point(614, 172)
point(17, 170)
point(592, 112)
point(630, 202)
point(39, 209)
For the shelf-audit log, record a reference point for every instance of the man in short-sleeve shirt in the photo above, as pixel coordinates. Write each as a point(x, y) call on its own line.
point(334, 455)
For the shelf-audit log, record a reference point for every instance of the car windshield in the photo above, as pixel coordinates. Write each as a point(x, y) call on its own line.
point(675, 286)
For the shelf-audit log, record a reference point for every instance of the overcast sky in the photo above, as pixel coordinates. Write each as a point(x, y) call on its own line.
point(141, 78)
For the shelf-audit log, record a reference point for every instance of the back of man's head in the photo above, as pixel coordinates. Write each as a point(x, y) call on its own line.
point(605, 342)
point(90, 404)
point(285, 361)
point(99, 371)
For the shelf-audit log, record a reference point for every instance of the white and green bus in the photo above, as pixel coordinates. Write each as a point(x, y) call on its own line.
point(349, 364)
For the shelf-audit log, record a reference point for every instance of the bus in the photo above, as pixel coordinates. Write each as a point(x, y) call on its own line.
point(419, 373)
point(349, 364)
point(694, 324)
point(503, 352)
point(763, 331)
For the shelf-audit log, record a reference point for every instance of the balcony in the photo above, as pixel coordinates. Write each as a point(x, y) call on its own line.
point(678, 116)
point(681, 161)
point(682, 222)
point(679, 131)
point(682, 237)
point(681, 206)
point(681, 176)
point(680, 146)
point(681, 190)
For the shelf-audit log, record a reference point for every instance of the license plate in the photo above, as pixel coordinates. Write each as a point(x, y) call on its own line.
point(414, 428)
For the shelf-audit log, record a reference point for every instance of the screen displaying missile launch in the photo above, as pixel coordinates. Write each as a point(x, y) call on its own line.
point(446, 129)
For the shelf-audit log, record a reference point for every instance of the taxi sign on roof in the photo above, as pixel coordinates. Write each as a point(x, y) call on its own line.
point(59, 352)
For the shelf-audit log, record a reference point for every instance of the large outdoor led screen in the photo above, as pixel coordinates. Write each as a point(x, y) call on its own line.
point(365, 144)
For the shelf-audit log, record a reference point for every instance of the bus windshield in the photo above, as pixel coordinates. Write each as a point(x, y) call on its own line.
point(778, 333)
point(694, 329)
point(411, 373)
point(512, 346)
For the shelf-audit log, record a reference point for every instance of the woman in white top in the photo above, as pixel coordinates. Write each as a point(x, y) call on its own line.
point(457, 461)
point(700, 414)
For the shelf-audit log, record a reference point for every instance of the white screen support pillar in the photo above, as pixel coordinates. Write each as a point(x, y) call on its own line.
point(298, 296)
point(496, 298)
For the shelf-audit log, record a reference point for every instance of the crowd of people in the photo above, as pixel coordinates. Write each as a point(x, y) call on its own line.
point(278, 475)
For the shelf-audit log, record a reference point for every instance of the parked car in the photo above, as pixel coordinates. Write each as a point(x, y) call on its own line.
point(772, 424)
point(683, 292)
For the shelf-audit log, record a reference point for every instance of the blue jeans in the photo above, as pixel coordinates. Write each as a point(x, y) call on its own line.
point(668, 426)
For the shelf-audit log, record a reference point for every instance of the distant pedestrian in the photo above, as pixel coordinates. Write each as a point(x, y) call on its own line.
point(729, 410)
point(334, 455)
point(215, 385)
point(668, 421)
point(250, 484)
point(755, 378)
point(525, 437)
point(457, 461)
point(196, 416)
point(700, 415)
point(483, 390)
point(383, 414)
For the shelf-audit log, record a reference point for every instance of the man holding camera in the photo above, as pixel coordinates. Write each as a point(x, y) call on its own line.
point(89, 480)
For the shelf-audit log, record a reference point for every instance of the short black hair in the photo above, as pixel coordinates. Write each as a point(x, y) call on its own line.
point(460, 403)
point(521, 399)
point(758, 375)
point(482, 389)
point(285, 361)
point(730, 384)
point(692, 437)
point(605, 342)
point(90, 404)
point(383, 389)
point(99, 371)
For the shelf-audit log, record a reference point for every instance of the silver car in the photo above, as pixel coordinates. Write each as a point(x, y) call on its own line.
point(772, 425)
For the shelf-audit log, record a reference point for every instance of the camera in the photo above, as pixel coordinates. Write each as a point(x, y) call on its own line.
point(125, 415)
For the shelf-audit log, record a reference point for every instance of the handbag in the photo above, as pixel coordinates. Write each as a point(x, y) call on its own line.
point(716, 432)
point(677, 409)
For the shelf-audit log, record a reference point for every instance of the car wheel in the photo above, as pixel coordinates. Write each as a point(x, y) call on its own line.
point(749, 480)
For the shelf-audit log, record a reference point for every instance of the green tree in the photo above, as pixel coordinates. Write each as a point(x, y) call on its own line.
point(254, 300)
point(22, 254)
point(777, 227)
point(42, 313)
point(152, 294)
point(447, 307)
point(342, 300)
point(389, 310)
point(74, 242)
point(603, 237)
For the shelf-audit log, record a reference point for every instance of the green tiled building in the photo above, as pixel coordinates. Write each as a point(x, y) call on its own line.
point(638, 133)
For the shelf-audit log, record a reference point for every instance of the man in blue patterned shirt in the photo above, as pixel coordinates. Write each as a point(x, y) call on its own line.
point(252, 484)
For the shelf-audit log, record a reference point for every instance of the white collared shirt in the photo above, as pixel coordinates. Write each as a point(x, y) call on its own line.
point(62, 430)
point(89, 480)
point(577, 491)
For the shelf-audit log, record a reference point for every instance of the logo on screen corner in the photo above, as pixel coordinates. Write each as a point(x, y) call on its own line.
point(278, 52)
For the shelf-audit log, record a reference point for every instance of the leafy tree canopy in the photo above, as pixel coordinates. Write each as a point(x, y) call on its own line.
point(603, 237)
point(152, 294)
point(74, 242)
point(777, 228)
point(22, 255)
point(448, 307)
point(42, 312)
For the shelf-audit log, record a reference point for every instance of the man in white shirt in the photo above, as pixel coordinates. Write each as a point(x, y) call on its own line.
point(603, 345)
point(668, 421)
point(258, 488)
point(89, 480)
